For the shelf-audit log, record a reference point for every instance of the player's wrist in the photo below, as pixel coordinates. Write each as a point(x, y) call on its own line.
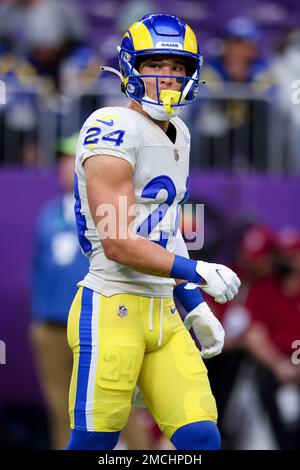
point(185, 268)
point(189, 296)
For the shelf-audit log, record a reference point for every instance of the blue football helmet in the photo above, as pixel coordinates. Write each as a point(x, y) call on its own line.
point(159, 34)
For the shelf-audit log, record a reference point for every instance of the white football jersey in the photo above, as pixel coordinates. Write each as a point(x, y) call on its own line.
point(160, 171)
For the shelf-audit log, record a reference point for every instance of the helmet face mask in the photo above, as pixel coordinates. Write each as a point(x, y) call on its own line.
point(136, 86)
point(160, 35)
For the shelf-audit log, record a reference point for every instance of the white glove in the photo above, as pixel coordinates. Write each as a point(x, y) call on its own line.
point(207, 328)
point(221, 282)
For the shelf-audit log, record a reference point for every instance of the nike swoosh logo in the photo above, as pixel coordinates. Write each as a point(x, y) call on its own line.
point(108, 123)
point(220, 275)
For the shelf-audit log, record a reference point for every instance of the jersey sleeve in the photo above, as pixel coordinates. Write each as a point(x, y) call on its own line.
point(180, 246)
point(109, 133)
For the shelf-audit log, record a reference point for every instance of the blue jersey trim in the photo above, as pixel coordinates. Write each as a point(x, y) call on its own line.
point(80, 220)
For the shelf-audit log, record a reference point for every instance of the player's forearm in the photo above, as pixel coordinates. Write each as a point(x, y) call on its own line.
point(181, 250)
point(142, 255)
point(149, 258)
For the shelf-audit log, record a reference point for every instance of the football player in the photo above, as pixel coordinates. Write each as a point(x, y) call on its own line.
point(131, 173)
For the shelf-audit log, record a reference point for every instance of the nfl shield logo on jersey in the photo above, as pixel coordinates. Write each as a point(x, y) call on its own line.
point(176, 155)
point(122, 311)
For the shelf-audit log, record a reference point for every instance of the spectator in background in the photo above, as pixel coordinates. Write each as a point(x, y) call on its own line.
point(285, 136)
point(49, 65)
point(51, 35)
point(58, 265)
point(241, 60)
point(255, 253)
point(17, 118)
point(274, 304)
point(24, 22)
point(254, 261)
point(232, 123)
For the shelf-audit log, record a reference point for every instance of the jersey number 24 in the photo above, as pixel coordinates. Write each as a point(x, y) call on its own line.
point(92, 136)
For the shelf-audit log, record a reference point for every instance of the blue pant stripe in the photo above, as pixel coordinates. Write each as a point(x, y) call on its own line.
point(85, 339)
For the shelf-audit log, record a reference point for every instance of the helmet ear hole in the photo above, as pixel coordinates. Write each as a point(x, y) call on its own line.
point(135, 87)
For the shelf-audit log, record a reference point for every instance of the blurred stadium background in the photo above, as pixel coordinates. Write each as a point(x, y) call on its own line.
point(245, 168)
